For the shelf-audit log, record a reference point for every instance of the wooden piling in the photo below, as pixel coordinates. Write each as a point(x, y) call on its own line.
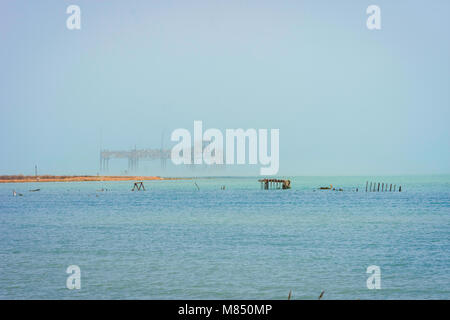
point(138, 186)
point(321, 294)
point(381, 186)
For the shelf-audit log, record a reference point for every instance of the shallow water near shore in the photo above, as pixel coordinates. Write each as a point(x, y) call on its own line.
point(173, 241)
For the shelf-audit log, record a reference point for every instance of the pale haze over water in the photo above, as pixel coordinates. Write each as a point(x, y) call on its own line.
point(347, 100)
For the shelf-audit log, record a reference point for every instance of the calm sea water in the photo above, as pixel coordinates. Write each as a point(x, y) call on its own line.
point(173, 241)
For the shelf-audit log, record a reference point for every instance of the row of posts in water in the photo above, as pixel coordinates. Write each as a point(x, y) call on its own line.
point(383, 187)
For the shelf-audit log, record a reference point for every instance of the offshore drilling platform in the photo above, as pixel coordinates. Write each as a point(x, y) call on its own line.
point(134, 156)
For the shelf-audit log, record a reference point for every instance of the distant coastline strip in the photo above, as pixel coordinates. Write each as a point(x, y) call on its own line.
point(49, 178)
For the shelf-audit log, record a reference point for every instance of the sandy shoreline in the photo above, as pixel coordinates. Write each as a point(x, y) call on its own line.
point(48, 178)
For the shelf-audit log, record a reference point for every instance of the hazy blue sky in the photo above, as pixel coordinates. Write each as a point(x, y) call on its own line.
point(347, 100)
